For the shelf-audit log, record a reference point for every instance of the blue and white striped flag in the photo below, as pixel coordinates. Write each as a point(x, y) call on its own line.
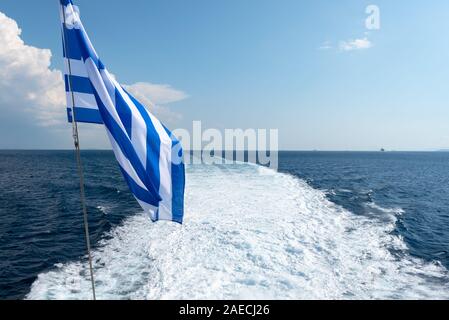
point(150, 157)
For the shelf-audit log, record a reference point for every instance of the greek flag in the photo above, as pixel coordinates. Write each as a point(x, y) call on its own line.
point(149, 156)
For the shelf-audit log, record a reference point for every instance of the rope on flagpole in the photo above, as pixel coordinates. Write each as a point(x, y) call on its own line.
point(79, 163)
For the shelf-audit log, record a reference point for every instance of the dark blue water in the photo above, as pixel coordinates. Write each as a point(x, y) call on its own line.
point(42, 223)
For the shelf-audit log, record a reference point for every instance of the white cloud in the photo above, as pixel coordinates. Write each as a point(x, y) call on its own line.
point(27, 84)
point(30, 89)
point(357, 44)
point(155, 97)
point(326, 45)
point(158, 93)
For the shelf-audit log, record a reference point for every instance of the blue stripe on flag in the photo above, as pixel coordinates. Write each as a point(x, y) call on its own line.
point(77, 47)
point(78, 84)
point(87, 50)
point(72, 48)
point(85, 115)
point(178, 188)
point(177, 179)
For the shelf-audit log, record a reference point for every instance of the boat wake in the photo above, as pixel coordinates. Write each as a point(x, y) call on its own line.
point(252, 234)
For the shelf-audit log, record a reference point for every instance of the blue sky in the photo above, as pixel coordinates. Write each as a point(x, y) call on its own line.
point(260, 64)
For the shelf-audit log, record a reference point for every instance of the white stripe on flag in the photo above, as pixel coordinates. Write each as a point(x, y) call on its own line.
point(77, 67)
point(72, 17)
point(165, 206)
point(148, 208)
point(82, 100)
point(165, 191)
point(109, 85)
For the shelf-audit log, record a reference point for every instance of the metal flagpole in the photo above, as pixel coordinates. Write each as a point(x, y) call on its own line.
point(79, 163)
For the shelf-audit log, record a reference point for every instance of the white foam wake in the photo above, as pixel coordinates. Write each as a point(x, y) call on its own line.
point(249, 234)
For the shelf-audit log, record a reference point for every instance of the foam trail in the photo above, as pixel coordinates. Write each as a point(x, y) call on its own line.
point(250, 234)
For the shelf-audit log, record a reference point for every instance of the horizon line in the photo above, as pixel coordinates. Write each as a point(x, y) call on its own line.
point(283, 150)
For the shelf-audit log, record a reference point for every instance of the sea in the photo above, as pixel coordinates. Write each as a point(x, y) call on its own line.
point(325, 225)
